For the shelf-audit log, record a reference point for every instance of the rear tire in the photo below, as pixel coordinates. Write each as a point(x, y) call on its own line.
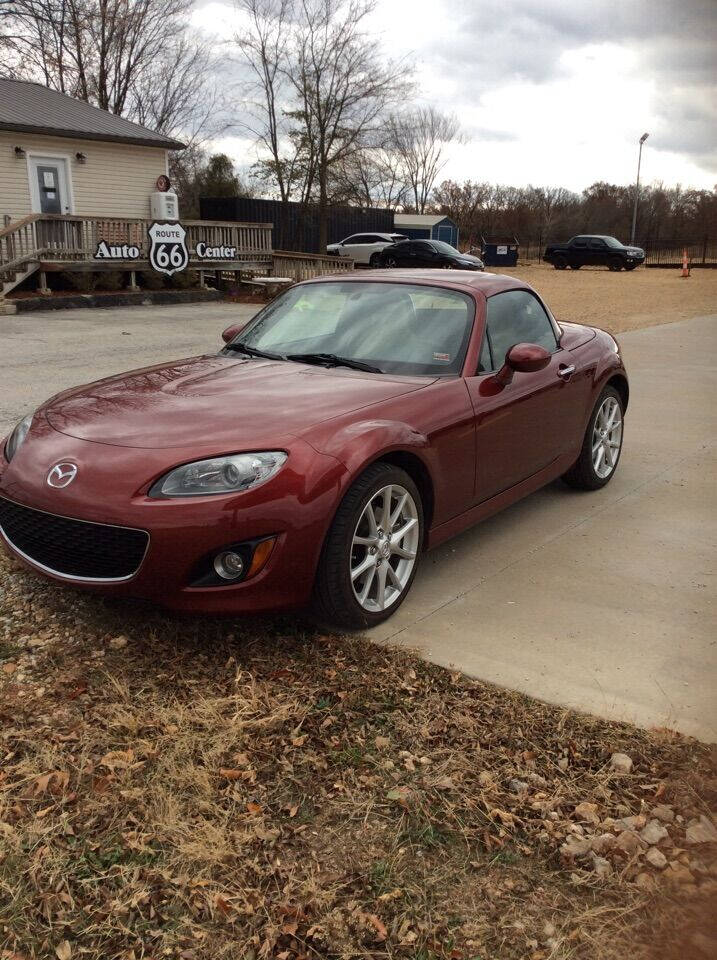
point(575, 266)
point(602, 444)
point(560, 263)
point(368, 560)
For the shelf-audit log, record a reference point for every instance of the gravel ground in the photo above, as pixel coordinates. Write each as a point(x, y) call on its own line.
point(621, 301)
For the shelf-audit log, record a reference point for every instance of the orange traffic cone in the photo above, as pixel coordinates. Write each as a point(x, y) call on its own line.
point(685, 266)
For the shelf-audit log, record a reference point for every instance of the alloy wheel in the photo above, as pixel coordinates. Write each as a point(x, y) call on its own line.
point(384, 548)
point(607, 437)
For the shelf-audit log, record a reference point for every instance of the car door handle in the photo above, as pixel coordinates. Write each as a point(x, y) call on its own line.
point(566, 372)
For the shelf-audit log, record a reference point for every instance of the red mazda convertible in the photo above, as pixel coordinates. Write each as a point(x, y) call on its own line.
point(351, 425)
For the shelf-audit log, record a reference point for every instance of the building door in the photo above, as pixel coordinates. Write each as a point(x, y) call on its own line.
point(447, 235)
point(49, 185)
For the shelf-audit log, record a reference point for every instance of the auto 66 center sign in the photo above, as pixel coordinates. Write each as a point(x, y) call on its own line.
point(168, 251)
point(167, 247)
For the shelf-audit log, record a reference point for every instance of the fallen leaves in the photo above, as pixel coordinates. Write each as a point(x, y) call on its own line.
point(400, 795)
point(357, 803)
point(55, 782)
point(378, 925)
point(118, 759)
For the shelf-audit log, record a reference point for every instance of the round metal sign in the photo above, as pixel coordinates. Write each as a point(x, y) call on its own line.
point(163, 182)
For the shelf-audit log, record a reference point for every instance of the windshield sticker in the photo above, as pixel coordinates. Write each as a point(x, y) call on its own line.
point(442, 357)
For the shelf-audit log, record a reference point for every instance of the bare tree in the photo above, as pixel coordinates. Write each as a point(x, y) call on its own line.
point(344, 87)
point(463, 203)
point(264, 44)
point(372, 177)
point(136, 58)
point(323, 91)
point(419, 137)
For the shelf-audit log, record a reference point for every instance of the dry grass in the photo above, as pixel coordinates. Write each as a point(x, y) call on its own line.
point(212, 791)
point(622, 301)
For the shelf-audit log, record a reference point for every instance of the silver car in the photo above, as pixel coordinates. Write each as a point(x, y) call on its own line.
point(360, 247)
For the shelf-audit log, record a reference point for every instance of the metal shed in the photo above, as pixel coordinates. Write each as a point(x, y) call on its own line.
point(425, 226)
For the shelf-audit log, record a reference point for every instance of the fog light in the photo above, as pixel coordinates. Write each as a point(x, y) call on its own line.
point(229, 565)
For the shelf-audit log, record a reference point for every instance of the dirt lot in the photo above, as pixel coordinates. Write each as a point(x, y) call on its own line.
point(622, 301)
point(199, 790)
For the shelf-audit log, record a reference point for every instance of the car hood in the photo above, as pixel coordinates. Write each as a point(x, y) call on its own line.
point(468, 258)
point(223, 401)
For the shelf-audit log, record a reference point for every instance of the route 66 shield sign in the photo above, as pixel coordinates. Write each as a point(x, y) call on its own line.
point(167, 247)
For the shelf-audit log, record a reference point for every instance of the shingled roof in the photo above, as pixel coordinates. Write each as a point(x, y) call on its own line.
point(32, 108)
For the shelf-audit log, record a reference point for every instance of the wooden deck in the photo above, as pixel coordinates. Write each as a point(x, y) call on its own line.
point(51, 243)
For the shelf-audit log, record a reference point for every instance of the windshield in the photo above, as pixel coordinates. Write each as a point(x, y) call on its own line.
point(445, 247)
point(612, 242)
point(399, 328)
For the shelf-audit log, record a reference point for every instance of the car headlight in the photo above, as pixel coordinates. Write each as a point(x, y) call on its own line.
point(15, 440)
point(241, 471)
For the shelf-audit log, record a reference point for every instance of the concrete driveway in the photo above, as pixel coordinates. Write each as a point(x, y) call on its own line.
point(45, 352)
point(602, 602)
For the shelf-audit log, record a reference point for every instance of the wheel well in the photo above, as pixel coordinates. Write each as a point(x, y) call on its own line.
point(620, 384)
point(418, 472)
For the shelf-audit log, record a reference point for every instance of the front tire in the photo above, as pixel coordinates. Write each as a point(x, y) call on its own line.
point(615, 264)
point(374, 262)
point(575, 266)
point(391, 262)
point(371, 552)
point(602, 444)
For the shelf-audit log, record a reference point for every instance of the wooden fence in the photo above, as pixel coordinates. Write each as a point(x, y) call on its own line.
point(304, 266)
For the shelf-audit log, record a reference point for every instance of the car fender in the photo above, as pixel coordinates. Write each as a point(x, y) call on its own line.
point(609, 364)
point(357, 445)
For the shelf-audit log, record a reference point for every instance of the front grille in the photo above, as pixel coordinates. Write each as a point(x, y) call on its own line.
point(73, 548)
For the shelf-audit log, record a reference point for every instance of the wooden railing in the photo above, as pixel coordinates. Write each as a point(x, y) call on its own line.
point(18, 244)
point(304, 266)
point(55, 240)
point(71, 238)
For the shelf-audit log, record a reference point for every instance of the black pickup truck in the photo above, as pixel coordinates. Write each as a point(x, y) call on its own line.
point(593, 251)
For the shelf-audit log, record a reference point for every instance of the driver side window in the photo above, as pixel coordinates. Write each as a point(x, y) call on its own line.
point(515, 316)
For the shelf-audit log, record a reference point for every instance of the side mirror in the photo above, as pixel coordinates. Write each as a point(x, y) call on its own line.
point(232, 331)
point(522, 358)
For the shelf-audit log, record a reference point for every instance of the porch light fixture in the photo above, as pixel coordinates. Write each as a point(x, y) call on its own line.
point(81, 157)
point(20, 153)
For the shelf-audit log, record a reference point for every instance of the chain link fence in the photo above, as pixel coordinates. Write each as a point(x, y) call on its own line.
point(658, 253)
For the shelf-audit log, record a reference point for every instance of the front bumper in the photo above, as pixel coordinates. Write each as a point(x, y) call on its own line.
point(296, 506)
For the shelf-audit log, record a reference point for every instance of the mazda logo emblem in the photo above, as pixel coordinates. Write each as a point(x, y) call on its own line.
point(62, 474)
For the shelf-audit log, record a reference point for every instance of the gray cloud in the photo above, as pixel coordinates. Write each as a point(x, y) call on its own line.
point(675, 45)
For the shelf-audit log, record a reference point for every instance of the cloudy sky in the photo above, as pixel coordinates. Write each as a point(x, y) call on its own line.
point(554, 92)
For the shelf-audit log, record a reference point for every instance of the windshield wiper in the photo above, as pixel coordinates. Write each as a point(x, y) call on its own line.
point(253, 352)
point(332, 360)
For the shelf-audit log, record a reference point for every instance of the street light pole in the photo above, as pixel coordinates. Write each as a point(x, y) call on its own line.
point(637, 188)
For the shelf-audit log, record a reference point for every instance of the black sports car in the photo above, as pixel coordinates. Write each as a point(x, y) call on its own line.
point(425, 253)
